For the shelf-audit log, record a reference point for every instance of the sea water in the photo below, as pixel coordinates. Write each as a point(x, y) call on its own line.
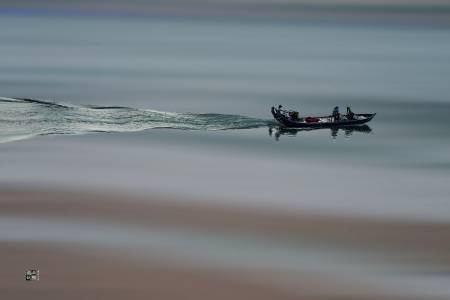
point(212, 83)
point(181, 107)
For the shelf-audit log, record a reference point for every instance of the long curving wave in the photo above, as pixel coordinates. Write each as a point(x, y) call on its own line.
point(22, 118)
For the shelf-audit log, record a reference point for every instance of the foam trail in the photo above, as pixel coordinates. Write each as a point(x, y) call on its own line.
point(22, 118)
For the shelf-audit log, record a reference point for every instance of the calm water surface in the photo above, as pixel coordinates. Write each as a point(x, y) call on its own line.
point(233, 73)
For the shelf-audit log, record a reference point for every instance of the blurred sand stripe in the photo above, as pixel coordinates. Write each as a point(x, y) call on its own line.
point(155, 210)
point(91, 272)
point(77, 273)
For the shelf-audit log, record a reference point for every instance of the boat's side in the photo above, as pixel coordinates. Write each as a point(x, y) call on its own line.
point(285, 121)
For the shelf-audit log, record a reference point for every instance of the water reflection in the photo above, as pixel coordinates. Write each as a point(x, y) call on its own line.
point(348, 130)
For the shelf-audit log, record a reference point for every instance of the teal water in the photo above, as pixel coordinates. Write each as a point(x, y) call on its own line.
point(75, 74)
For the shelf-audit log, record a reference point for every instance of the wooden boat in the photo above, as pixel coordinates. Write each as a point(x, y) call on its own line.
point(289, 119)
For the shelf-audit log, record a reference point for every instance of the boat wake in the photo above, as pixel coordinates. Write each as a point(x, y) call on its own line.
point(22, 118)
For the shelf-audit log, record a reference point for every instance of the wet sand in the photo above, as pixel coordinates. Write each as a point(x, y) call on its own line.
point(72, 270)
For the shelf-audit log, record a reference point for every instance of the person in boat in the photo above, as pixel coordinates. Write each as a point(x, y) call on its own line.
point(293, 115)
point(350, 114)
point(336, 115)
point(276, 110)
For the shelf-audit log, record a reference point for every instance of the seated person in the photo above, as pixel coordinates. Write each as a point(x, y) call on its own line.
point(350, 114)
point(293, 115)
point(336, 115)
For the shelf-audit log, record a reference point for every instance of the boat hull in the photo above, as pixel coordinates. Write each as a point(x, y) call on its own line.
point(285, 121)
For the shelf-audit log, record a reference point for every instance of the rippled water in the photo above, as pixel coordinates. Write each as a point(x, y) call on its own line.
point(26, 118)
